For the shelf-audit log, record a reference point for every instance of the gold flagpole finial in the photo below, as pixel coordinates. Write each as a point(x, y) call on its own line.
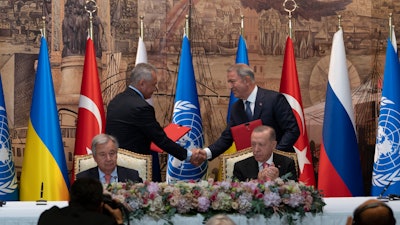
point(187, 26)
point(339, 22)
point(91, 7)
point(241, 25)
point(43, 29)
point(294, 6)
point(141, 33)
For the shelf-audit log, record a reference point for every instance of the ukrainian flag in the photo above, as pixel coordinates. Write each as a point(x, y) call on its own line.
point(44, 169)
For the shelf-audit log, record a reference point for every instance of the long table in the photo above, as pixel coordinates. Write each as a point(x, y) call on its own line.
point(335, 212)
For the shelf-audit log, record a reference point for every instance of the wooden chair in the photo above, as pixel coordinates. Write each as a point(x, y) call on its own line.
point(228, 160)
point(128, 159)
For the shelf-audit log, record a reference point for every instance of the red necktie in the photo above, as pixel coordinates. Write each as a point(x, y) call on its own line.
point(265, 165)
point(107, 177)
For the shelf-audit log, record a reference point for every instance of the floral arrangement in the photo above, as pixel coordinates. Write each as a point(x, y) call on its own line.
point(161, 200)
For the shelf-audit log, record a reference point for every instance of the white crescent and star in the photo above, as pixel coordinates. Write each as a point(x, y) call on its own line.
point(301, 153)
point(90, 105)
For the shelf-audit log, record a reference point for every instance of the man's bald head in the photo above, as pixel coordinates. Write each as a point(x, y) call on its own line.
point(373, 212)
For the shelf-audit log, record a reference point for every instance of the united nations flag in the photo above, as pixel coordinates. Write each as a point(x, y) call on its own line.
point(8, 177)
point(187, 113)
point(386, 170)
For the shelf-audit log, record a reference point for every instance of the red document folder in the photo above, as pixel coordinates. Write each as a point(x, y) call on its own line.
point(241, 133)
point(174, 132)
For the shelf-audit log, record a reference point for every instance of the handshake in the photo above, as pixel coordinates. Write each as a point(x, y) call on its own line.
point(198, 156)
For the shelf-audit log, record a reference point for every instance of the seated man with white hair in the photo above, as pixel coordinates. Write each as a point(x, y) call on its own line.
point(104, 150)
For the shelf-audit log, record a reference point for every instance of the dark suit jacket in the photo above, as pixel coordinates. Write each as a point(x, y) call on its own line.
point(124, 174)
point(74, 215)
point(274, 110)
point(247, 169)
point(133, 122)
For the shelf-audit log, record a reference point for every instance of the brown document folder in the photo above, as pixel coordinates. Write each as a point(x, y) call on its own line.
point(241, 133)
point(174, 132)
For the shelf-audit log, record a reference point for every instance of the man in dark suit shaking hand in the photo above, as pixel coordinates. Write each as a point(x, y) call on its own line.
point(264, 165)
point(132, 120)
point(255, 103)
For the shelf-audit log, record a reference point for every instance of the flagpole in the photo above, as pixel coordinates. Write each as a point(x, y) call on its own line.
point(390, 26)
point(187, 26)
point(91, 8)
point(241, 25)
point(339, 22)
point(43, 30)
point(294, 6)
point(141, 31)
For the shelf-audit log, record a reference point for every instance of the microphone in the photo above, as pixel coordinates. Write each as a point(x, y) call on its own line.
point(41, 201)
point(384, 190)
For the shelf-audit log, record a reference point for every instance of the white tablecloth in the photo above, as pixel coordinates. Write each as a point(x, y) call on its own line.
point(335, 213)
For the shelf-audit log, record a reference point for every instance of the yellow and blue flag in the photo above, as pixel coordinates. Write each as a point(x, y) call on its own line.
point(8, 177)
point(44, 169)
point(187, 113)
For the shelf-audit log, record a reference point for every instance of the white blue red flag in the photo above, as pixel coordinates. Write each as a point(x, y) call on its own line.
point(386, 170)
point(187, 113)
point(339, 172)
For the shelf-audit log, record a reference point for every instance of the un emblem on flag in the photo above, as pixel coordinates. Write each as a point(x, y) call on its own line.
point(186, 114)
point(387, 157)
point(8, 181)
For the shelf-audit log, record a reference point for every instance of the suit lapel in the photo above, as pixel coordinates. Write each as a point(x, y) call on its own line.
point(239, 116)
point(94, 173)
point(277, 161)
point(253, 168)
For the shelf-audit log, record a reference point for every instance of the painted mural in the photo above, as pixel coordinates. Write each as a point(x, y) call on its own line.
point(215, 26)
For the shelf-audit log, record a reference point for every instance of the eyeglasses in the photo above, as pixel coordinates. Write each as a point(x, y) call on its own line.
point(104, 155)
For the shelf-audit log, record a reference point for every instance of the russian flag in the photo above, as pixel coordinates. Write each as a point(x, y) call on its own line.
point(339, 172)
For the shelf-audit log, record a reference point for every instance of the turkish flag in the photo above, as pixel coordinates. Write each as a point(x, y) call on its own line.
point(91, 116)
point(291, 89)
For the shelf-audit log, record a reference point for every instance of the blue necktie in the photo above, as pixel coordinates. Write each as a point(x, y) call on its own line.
point(248, 111)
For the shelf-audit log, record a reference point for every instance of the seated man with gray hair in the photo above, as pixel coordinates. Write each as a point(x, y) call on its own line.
point(104, 150)
point(264, 164)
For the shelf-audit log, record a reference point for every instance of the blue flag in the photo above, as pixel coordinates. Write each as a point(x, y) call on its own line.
point(187, 113)
point(241, 57)
point(8, 177)
point(44, 169)
point(386, 170)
